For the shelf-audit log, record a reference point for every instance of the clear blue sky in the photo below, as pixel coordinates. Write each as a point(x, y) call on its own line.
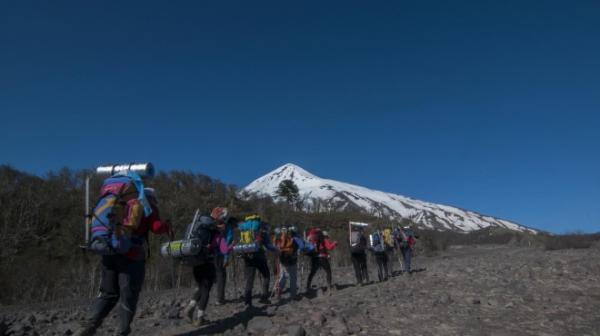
point(492, 106)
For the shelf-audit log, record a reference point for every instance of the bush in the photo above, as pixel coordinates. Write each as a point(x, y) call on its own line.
point(570, 241)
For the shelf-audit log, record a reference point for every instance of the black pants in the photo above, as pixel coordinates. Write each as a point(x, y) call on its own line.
point(382, 265)
point(253, 262)
point(359, 261)
point(122, 280)
point(315, 264)
point(221, 277)
point(205, 277)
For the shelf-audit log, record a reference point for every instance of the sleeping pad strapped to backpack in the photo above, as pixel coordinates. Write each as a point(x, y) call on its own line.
point(194, 248)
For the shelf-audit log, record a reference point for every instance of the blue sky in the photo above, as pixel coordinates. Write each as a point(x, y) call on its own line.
point(486, 105)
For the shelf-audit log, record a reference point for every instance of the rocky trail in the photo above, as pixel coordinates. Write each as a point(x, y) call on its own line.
point(475, 290)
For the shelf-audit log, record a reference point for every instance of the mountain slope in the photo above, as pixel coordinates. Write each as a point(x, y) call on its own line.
point(319, 194)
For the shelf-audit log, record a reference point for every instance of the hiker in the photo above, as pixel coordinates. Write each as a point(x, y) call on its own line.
point(204, 265)
point(379, 248)
point(358, 254)
point(134, 214)
point(254, 238)
point(320, 256)
point(407, 243)
point(289, 244)
point(225, 227)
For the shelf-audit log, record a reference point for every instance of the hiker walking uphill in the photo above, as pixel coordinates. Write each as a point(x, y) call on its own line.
point(225, 227)
point(254, 238)
point(121, 221)
point(321, 245)
point(213, 243)
point(379, 248)
point(289, 244)
point(358, 254)
point(407, 242)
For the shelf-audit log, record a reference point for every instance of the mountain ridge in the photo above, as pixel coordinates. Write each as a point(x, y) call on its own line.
point(320, 194)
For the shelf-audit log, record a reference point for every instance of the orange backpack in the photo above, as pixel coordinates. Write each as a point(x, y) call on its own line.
point(286, 244)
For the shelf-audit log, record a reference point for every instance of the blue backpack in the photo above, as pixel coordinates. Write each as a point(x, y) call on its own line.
point(251, 239)
point(377, 242)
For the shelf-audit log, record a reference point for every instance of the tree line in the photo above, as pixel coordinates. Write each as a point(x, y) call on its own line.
point(41, 230)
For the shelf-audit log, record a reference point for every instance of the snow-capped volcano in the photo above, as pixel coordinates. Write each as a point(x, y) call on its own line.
point(318, 194)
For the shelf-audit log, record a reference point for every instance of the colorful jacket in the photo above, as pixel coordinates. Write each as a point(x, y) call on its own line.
point(219, 245)
point(139, 233)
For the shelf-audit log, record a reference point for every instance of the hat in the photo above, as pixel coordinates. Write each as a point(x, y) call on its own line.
point(325, 233)
point(220, 214)
point(293, 229)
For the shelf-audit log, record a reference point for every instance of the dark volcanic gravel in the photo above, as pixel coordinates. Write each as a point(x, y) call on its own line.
point(481, 290)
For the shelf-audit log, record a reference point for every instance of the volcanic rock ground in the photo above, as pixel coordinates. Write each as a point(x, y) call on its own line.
point(476, 290)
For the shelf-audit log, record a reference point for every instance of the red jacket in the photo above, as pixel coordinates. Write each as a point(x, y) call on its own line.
point(326, 246)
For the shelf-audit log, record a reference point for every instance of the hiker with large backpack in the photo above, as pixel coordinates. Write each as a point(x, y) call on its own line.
point(225, 227)
point(320, 245)
point(289, 244)
point(120, 223)
point(379, 248)
point(254, 239)
point(407, 242)
point(358, 254)
point(208, 241)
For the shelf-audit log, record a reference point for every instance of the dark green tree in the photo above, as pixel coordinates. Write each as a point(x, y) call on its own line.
point(289, 191)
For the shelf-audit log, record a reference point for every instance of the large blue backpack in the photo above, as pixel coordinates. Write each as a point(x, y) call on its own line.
point(377, 243)
point(251, 236)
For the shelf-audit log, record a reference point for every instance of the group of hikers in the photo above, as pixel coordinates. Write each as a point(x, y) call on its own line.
point(127, 212)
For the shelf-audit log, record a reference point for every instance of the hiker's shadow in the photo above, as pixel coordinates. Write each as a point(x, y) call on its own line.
point(221, 326)
point(417, 270)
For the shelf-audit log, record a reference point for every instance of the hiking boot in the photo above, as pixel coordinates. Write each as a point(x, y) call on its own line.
point(188, 313)
point(199, 318)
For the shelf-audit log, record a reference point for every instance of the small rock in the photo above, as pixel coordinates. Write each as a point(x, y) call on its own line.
point(444, 299)
point(271, 310)
point(16, 329)
point(317, 319)
point(296, 330)
point(173, 313)
point(259, 325)
point(476, 301)
point(492, 302)
point(3, 328)
point(338, 327)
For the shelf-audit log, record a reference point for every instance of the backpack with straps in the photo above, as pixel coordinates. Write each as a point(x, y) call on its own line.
point(376, 242)
point(109, 236)
point(194, 248)
point(311, 246)
point(286, 247)
point(251, 239)
point(357, 244)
